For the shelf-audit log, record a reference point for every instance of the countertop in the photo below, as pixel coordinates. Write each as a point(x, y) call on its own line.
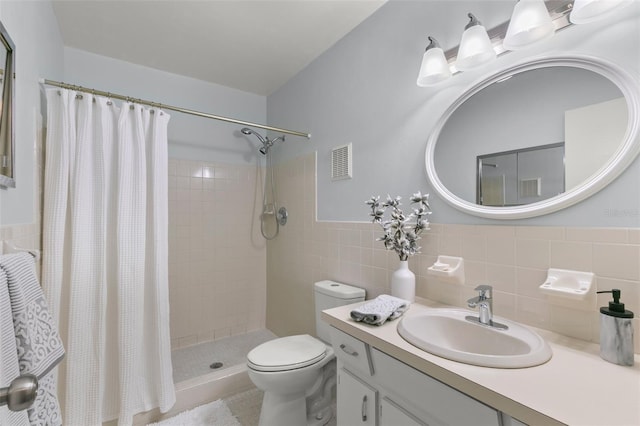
point(575, 387)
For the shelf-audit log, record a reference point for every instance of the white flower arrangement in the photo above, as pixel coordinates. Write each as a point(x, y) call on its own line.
point(399, 234)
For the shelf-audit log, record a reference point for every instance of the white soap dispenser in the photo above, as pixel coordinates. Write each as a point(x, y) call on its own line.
point(616, 331)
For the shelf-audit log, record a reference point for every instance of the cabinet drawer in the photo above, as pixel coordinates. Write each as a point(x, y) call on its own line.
point(355, 355)
point(428, 399)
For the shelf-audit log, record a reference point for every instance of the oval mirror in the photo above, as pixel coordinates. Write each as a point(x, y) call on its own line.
point(535, 138)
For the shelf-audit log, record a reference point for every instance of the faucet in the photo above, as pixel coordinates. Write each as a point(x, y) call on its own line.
point(484, 303)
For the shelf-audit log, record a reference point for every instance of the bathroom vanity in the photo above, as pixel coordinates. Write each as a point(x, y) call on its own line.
point(384, 380)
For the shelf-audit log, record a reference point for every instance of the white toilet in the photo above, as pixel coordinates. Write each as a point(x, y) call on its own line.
point(297, 373)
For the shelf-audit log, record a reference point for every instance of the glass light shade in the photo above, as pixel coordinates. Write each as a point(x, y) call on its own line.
point(475, 48)
point(529, 24)
point(434, 67)
point(585, 11)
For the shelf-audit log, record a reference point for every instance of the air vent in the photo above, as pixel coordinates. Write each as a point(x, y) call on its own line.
point(341, 162)
point(530, 187)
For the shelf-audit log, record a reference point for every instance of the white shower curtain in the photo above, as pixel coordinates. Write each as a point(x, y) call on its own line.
point(105, 244)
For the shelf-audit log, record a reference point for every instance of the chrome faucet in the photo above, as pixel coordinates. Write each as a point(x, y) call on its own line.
point(484, 303)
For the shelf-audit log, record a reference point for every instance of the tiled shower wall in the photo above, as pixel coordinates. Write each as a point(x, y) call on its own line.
point(217, 257)
point(513, 259)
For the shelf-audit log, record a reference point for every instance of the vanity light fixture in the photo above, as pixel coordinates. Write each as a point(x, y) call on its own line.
point(475, 47)
point(434, 67)
point(585, 11)
point(532, 21)
point(529, 24)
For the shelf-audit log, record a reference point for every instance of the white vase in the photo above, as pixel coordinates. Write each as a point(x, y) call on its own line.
point(403, 282)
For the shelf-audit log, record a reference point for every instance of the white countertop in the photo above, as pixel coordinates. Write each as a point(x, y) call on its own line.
point(575, 387)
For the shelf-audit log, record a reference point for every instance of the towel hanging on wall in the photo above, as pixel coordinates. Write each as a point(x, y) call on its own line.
point(38, 344)
point(9, 368)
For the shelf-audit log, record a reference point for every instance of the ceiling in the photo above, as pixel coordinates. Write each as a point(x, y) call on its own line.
point(252, 45)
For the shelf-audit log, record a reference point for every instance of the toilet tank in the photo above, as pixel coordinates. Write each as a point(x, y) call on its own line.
point(329, 294)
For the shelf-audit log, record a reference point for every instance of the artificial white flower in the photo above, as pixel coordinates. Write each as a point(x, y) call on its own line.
point(399, 234)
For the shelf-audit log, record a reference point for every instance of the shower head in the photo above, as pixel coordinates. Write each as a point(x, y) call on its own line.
point(248, 131)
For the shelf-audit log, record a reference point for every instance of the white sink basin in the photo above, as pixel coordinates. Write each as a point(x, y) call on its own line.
point(446, 333)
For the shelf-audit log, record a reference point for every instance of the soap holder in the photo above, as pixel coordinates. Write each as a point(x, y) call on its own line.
point(567, 284)
point(449, 268)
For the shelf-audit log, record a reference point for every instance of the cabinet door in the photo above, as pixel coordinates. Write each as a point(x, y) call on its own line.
point(356, 401)
point(391, 414)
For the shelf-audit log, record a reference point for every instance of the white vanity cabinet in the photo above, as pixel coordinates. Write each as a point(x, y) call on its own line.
point(391, 414)
point(376, 389)
point(356, 401)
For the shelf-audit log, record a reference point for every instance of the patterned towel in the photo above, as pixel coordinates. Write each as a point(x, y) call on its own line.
point(37, 340)
point(380, 309)
point(9, 368)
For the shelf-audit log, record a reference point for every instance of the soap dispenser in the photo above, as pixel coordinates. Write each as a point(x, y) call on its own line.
point(616, 331)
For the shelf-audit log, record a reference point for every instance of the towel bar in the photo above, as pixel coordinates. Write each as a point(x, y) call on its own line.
point(8, 247)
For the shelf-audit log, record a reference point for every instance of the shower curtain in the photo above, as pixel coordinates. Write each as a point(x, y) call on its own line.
point(105, 244)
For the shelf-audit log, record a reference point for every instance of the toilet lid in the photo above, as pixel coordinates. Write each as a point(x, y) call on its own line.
point(287, 353)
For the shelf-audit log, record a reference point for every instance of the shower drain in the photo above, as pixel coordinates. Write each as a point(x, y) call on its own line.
point(215, 365)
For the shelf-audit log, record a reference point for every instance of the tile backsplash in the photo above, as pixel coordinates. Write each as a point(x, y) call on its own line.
point(513, 259)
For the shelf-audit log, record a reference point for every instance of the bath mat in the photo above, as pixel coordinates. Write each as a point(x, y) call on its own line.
point(214, 413)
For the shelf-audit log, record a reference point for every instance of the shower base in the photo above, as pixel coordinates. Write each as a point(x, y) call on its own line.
point(196, 361)
point(196, 383)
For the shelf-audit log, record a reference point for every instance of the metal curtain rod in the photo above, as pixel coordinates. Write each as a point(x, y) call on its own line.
point(172, 108)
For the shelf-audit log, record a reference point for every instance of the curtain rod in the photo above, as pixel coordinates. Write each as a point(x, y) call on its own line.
point(172, 108)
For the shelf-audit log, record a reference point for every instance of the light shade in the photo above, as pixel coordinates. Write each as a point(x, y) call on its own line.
point(434, 67)
point(475, 47)
point(529, 24)
point(585, 11)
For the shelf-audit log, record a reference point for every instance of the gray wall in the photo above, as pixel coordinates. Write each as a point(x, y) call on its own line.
point(190, 137)
point(363, 91)
point(39, 53)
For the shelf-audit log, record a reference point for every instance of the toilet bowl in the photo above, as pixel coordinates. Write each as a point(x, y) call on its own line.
point(297, 373)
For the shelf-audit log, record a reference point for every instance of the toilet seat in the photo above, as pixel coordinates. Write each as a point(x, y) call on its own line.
point(287, 353)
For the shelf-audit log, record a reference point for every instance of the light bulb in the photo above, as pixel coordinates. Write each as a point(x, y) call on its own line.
point(529, 24)
point(585, 11)
point(434, 67)
point(475, 47)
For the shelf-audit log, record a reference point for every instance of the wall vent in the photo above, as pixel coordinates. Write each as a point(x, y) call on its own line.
point(530, 187)
point(341, 162)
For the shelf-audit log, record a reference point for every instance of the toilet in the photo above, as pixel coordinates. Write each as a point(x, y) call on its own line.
point(298, 373)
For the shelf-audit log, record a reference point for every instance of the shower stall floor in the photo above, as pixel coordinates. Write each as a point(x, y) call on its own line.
point(197, 360)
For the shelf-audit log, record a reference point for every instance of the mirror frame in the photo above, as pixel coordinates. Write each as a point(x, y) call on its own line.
point(6, 42)
point(622, 158)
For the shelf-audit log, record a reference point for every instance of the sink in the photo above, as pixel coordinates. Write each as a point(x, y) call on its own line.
point(447, 333)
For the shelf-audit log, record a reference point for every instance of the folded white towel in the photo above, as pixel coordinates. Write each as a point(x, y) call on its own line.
point(37, 340)
point(380, 309)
